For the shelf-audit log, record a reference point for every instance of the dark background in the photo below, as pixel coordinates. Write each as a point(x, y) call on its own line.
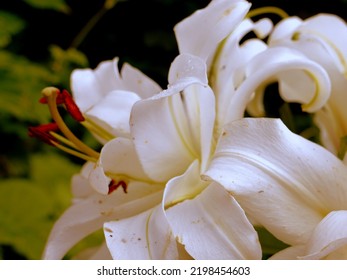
point(138, 31)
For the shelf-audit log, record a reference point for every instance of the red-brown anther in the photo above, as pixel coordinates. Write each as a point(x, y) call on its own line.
point(59, 100)
point(66, 99)
point(72, 107)
point(42, 132)
point(112, 186)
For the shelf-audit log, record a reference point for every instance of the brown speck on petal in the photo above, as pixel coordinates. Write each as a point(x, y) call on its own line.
point(108, 229)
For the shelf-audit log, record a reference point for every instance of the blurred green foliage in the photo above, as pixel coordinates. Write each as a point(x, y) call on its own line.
point(10, 25)
point(33, 204)
point(58, 5)
point(41, 42)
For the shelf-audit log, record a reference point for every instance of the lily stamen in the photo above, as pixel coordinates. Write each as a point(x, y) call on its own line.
point(51, 94)
point(98, 130)
point(63, 140)
point(43, 132)
point(113, 185)
point(64, 98)
point(71, 107)
point(73, 152)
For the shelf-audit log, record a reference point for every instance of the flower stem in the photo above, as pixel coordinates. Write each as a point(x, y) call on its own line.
point(108, 5)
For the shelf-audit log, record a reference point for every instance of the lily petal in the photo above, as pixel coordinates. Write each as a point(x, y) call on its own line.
point(89, 86)
point(94, 253)
point(331, 127)
point(112, 112)
point(212, 225)
point(146, 236)
point(174, 128)
point(225, 75)
point(186, 186)
point(281, 179)
point(310, 39)
point(331, 29)
point(329, 239)
point(290, 253)
point(118, 158)
point(98, 179)
point(219, 19)
point(102, 253)
point(317, 29)
point(284, 30)
point(136, 81)
point(89, 215)
point(232, 54)
point(80, 186)
point(311, 87)
point(186, 69)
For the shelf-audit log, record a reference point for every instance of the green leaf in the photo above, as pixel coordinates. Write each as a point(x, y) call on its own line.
point(70, 57)
point(64, 61)
point(28, 208)
point(9, 26)
point(58, 5)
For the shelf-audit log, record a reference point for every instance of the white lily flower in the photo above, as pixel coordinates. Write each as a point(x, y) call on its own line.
point(294, 188)
point(105, 96)
point(165, 152)
point(186, 113)
point(173, 136)
point(181, 77)
point(322, 38)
